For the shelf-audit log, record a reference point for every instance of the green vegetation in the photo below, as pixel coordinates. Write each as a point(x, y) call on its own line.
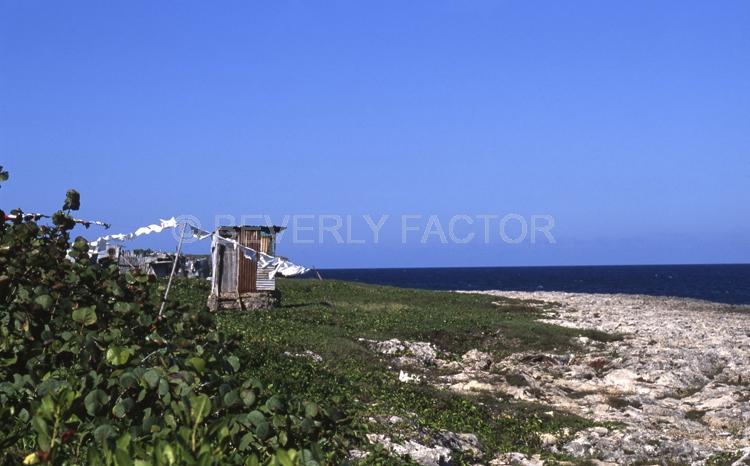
point(723, 459)
point(622, 402)
point(329, 318)
point(91, 374)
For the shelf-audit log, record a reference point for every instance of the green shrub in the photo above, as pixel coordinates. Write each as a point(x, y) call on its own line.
point(90, 374)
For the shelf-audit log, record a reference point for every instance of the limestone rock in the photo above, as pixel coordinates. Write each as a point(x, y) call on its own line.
point(678, 382)
point(477, 360)
point(437, 455)
point(516, 459)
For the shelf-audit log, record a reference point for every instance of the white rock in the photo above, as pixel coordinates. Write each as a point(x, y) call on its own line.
point(516, 459)
point(406, 377)
point(477, 360)
point(678, 356)
point(548, 440)
point(427, 456)
point(472, 386)
point(623, 379)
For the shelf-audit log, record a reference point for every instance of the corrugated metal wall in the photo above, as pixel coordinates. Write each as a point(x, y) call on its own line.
point(238, 274)
point(248, 268)
point(264, 282)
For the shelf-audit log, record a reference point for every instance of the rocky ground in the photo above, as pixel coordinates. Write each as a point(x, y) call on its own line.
point(674, 390)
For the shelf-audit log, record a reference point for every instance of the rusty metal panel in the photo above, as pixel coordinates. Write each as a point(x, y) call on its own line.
point(248, 269)
point(265, 244)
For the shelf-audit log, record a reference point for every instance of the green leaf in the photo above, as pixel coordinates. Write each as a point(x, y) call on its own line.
point(47, 406)
point(122, 458)
point(81, 244)
point(122, 407)
point(103, 432)
point(200, 407)
point(163, 387)
point(45, 301)
point(274, 404)
point(152, 378)
point(231, 398)
point(308, 459)
point(234, 361)
point(72, 200)
point(197, 363)
point(122, 307)
point(248, 397)
point(8, 361)
point(124, 441)
point(63, 220)
point(245, 441)
point(283, 458)
point(307, 425)
point(262, 430)
point(95, 400)
point(311, 409)
point(256, 417)
point(117, 355)
point(128, 380)
point(85, 315)
point(42, 432)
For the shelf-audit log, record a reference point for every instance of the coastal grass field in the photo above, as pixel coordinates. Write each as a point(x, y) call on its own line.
point(329, 318)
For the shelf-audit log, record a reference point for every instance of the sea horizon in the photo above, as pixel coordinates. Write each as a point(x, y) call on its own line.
point(720, 283)
point(532, 266)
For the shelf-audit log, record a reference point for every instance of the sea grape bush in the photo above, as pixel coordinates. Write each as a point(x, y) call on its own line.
point(90, 375)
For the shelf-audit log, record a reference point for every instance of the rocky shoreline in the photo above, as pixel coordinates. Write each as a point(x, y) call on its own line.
point(674, 390)
point(678, 382)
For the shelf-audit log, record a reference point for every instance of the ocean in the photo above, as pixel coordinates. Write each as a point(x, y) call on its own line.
point(719, 283)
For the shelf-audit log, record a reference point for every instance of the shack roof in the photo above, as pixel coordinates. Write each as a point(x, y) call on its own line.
point(263, 228)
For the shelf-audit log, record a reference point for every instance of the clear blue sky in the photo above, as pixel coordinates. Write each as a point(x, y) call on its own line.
point(627, 121)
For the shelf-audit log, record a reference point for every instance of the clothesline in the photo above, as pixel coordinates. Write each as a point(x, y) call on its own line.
point(37, 216)
point(280, 265)
point(147, 230)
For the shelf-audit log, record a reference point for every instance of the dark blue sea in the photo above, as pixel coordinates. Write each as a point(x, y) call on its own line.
point(719, 283)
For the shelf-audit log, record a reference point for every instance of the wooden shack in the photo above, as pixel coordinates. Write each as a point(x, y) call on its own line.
point(238, 282)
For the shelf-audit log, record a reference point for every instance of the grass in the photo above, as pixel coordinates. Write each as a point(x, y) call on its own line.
point(621, 402)
point(329, 317)
point(723, 459)
point(695, 414)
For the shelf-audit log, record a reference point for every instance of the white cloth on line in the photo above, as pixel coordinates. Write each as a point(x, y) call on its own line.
point(198, 233)
point(98, 245)
point(281, 266)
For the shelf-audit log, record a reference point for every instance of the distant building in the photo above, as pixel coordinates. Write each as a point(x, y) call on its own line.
point(239, 282)
point(197, 267)
point(158, 264)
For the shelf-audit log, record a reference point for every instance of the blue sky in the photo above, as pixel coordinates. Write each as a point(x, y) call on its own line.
point(627, 122)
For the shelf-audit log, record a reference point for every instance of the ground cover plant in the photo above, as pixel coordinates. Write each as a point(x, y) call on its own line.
point(330, 317)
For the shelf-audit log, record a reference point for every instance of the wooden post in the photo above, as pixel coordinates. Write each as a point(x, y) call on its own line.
point(171, 275)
